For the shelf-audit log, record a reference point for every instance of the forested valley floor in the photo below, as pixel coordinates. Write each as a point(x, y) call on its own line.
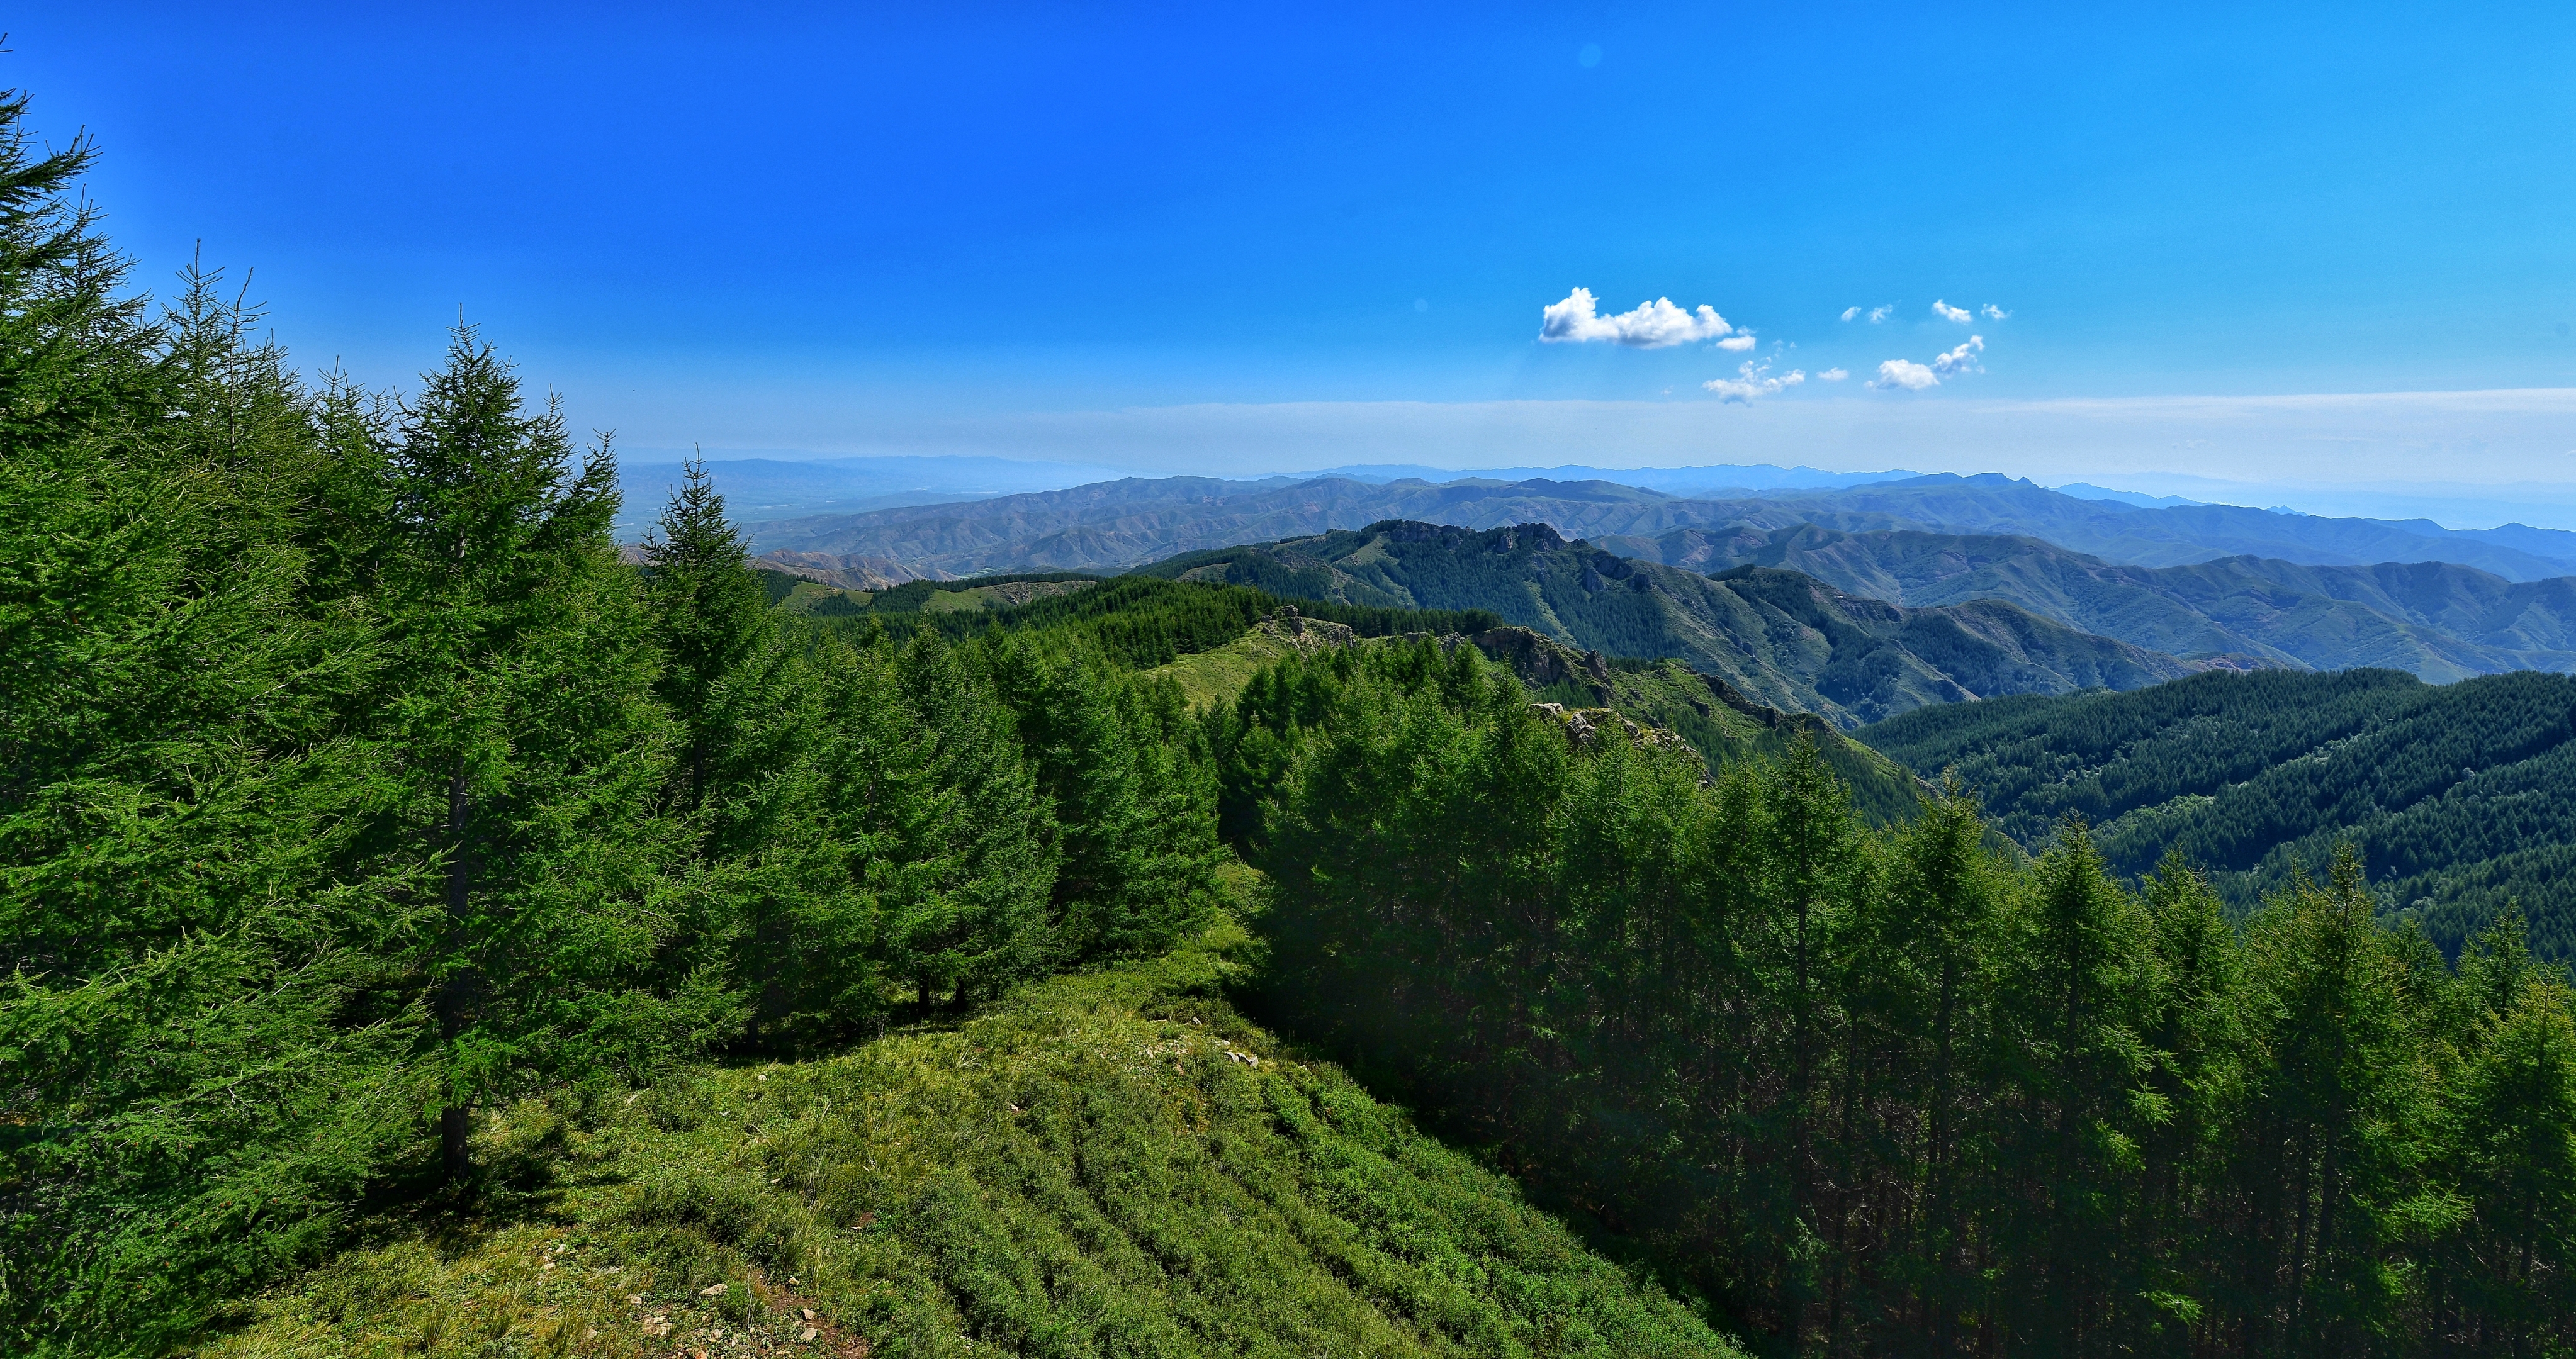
point(430, 931)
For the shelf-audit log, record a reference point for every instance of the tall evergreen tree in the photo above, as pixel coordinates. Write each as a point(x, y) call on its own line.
point(1923, 973)
point(524, 711)
point(2332, 1125)
point(712, 622)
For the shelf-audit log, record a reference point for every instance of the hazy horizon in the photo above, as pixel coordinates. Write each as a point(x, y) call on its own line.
point(2110, 248)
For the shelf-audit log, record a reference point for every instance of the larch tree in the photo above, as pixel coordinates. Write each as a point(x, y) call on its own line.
point(535, 749)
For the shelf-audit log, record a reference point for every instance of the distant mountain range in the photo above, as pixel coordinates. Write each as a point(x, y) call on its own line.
point(760, 488)
point(2435, 620)
point(2213, 584)
point(1698, 481)
point(1116, 525)
point(2172, 535)
point(1783, 638)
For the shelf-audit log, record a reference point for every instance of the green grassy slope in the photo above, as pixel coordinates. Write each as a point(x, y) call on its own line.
point(1110, 1164)
point(982, 592)
point(1218, 675)
point(2459, 797)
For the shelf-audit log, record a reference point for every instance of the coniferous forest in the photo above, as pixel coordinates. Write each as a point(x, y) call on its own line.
point(354, 790)
point(1914, 1092)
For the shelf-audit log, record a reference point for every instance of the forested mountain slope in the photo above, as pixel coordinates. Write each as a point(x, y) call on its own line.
point(1894, 1093)
point(1724, 726)
point(1780, 638)
point(2435, 620)
point(2458, 797)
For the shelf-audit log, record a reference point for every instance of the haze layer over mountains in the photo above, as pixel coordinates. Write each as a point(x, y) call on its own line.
point(2176, 585)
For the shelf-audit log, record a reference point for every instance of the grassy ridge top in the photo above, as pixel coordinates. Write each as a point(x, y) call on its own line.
point(1718, 722)
point(1113, 1163)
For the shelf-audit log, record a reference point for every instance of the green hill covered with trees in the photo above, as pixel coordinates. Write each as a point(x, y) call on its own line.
point(1783, 639)
point(2458, 798)
point(427, 931)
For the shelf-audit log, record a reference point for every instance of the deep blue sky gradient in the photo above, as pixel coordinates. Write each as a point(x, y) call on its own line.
point(779, 227)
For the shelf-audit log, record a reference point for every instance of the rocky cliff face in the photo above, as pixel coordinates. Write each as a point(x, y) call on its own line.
point(846, 572)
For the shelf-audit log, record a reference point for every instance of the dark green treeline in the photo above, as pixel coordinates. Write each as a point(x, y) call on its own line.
point(1895, 1093)
point(2458, 797)
point(350, 781)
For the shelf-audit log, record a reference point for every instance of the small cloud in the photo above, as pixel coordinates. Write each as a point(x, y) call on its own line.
point(1950, 313)
point(1752, 380)
point(1833, 375)
point(1903, 373)
point(1994, 313)
point(1652, 325)
point(1850, 312)
point(1878, 315)
point(1962, 359)
point(1737, 343)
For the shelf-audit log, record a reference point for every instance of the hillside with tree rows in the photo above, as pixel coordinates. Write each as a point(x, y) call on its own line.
point(2458, 798)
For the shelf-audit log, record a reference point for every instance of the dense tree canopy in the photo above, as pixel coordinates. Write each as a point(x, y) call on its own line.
point(1902, 1091)
point(2459, 799)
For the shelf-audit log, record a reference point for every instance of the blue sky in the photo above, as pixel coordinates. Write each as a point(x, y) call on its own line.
point(1238, 238)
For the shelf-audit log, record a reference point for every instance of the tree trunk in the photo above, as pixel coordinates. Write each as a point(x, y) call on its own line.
point(456, 990)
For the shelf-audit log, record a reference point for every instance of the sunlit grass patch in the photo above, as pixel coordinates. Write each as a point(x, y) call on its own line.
point(1112, 1163)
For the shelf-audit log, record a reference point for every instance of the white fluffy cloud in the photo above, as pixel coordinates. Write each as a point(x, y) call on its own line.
point(1994, 313)
point(1907, 375)
point(1850, 312)
point(1950, 313)
point(1903, 373)
point(1652, 325)
point(1962, 359)
point(1737, 343)
point(1833, 375)
point(1752, 380)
